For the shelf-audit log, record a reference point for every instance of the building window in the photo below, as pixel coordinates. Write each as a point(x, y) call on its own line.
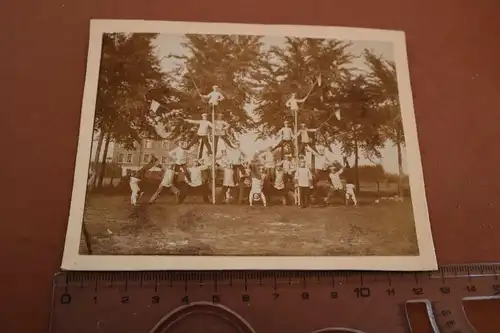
point(121, 157)
point(149, 144)
point(165, 144)
point(129, 158)
point(164, 159)
point(146, 158)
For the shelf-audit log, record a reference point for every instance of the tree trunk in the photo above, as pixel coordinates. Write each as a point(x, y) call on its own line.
point(356, 163)
point(102, 168)
point(400, 161)
point(97, 155)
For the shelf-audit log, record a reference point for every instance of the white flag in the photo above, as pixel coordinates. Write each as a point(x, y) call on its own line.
point(337, 114)
point(161, 130)
point(154, 106)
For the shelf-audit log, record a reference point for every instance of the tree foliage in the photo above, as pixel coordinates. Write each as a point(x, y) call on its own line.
point(223, 60)
point(295, 67)
point(129, 69)
point(382, 81)
point(252, 73)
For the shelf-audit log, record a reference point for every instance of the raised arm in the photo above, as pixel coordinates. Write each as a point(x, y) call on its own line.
point(192, 121)
point(312, 151)
point(302, 100)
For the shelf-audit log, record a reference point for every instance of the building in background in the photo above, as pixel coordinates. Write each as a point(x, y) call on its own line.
point(131, 160)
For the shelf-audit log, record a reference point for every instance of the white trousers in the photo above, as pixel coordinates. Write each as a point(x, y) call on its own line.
point(350, 195)
point(134, 197)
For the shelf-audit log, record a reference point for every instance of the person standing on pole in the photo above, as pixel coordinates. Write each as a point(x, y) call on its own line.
point(201, 135)
point(214, 97)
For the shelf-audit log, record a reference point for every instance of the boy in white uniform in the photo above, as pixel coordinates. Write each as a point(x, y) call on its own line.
point(350, 194)
point(268, 160)
point(245, 182)
point(236, 157)
point(293, 102)
point(228, 182)
point(201, 134)
point(305, 141)
point(214, 97)
point(256, 190)
point(335, 183)
point(278, 182)
point(196, 181)
point(220, 132)
point(166, 183)
point(135, 180)
point(179, 154)
point(303, 180)
point(286, 138)
point(350, 187)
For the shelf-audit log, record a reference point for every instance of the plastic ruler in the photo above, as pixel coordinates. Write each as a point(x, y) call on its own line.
point(267, 301)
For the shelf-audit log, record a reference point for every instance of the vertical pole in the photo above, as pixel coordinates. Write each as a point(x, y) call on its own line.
point(297, 193)
point(213, 154)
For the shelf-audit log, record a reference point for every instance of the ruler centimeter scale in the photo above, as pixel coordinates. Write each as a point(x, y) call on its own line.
point(267, 301)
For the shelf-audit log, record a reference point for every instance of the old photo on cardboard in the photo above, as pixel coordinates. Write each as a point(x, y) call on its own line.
point(235, 146)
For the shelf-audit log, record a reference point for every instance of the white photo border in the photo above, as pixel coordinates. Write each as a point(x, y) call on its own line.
point(73, 260)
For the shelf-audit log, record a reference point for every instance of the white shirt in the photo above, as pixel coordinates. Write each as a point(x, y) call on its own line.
point(134, 181)
point(279, 180)
point(235, 156)
point(335, 179)
point(304, 135)
point(268, 159)
point(303, 177)
point(321, 162)
point(292, 103)
point(180, 155)
point(203, 126)
point(196, 175)
point(288, 166)
point(168, 178)
point(256, 185)
point(349, 188)
point(286, 133)
point(228, 177)
point(220, 127)
point(214, 97)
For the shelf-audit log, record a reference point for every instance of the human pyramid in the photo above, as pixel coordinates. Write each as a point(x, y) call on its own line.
point(252, 179)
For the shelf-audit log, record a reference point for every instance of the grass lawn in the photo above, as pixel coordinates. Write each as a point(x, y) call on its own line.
point(194, 228)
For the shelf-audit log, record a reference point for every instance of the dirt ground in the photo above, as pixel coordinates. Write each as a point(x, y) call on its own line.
point(194, 228)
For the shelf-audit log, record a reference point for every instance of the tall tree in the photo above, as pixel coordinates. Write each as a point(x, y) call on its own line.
point(129, 69)
point(227, 61)
point(360, 130)
point(296, 67)
point(383, 80)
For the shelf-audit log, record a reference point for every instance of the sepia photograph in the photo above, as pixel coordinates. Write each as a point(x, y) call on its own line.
point(207, 146)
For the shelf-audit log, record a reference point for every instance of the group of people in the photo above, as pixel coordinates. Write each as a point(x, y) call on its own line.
point(249, 179)
point(253, 179)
